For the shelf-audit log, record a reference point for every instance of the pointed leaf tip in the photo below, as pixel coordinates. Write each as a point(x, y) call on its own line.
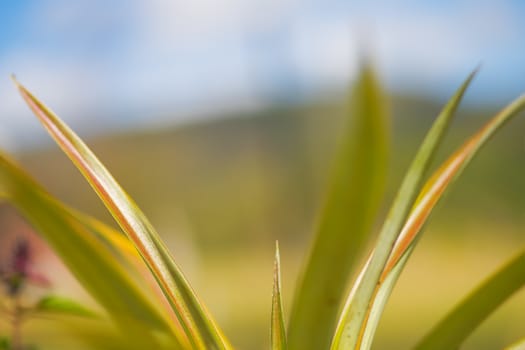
point(277, 253)
point(353, 196)
point(200, 328)
point(429, 196)
point(362, 308)
point(12, 76)
point(278, 332)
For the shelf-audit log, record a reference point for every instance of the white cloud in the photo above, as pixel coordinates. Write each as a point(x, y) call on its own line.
point(435, 45)
point(70, 89)
point(101, 58)
point(189, 20)
point(324, 51)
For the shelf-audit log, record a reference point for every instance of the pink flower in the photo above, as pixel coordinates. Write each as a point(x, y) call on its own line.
point(17, 272)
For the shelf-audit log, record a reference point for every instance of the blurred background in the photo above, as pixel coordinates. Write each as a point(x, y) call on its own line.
point(219, 116)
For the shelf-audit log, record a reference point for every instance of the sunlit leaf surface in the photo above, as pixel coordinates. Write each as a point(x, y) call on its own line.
point(278, 332)
point(352, 326)
point(197, 323)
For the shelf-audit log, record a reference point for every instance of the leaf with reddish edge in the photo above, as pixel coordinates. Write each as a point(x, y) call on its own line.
point(438, 183)
point(124, 250)
point(278, 332)
point(352, 322)
point(200, 328)
point(428, 198)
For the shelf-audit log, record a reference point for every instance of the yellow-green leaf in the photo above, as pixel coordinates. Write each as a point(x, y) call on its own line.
point(430, 194)
point(278, 333)
point(353, 197)
point(115, 240)
point(52, 304)
point(442, 178)
point(199, 326)
point(87, 258)
point(352, 326)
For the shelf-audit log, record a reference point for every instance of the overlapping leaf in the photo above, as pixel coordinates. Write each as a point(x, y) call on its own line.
point(429, 196)
point(119, 243)
point(87, 258)
point(198, 325)
point(353, 197)
point(353, 321)
point(348, 215)
point(442, 178)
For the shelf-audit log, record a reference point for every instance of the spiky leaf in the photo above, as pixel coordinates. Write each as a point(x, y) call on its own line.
point(353, 197)
point(87, 258)
point(199, 326)
point(353, 321)
point(278, 332)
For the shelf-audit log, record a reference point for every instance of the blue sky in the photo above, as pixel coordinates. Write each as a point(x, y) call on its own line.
point(129, 63)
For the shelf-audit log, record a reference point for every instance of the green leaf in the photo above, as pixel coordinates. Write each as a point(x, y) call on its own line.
point(464, 318)
point(86, 257)
point(426, 201)
point(356, 313)
point(444, 176)
point(434, 189)
point(122, 248)
point(197, 323)
point(53, 304)
point(119, 244)
point(278, 333)
point(353, 197)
